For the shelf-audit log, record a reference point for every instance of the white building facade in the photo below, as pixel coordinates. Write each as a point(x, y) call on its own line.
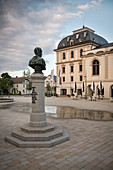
point(20, 86)
point(84, 64)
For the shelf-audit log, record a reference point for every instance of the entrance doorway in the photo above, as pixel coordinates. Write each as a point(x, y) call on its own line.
point(79, 92)
point(63, 92)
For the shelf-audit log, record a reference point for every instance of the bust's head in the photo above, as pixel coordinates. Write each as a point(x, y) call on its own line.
point(38, 51)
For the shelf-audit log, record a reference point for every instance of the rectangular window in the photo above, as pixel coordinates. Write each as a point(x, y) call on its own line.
point(71, 68)
point(80, 78)
point(63, 69)
point(71, 78)
point(80, 67)
point(63, 79)
point(64, 56)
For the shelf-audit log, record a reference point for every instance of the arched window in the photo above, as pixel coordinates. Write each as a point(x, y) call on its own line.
point(81, 52)
point(95, 67)
point(72, 54)
point(64, 56)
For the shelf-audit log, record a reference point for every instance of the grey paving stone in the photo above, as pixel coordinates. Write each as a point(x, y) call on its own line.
point(90, 146)
point(25, 162)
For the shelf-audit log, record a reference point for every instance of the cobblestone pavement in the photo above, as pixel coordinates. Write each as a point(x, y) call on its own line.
point(90, 146)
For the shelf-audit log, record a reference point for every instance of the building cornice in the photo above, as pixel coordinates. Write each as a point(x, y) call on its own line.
point(97, 54)
point(76, 46)
point(68, 62)
point(83, 29)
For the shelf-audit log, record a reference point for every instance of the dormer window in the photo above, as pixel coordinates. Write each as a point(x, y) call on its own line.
point(68, 38)
point(85, 33)
point(77, 36)
point(80, 40)
point(94, 39)
point(71, 42)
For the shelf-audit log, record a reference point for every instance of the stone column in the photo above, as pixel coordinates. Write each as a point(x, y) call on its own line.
point(38, 115)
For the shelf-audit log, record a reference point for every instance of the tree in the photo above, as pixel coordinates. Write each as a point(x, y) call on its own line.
point(48, 87)
point(5, 85)
point(29, 87)
point(5, 75)
point(54, 88)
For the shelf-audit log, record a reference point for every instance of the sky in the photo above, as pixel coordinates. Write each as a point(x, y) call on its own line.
point(26, 24)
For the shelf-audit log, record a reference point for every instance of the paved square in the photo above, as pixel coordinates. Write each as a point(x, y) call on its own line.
point(90, 145)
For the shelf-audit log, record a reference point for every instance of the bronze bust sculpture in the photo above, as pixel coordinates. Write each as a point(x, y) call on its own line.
point(37, 63)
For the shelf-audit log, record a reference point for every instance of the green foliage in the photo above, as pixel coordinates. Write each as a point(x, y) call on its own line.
point(48, 87)
point(54, 88)
point(5, 85)
point(4, 98)
point(5, 75)
point(29, 87)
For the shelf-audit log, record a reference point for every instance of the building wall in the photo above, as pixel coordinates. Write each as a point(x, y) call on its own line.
point(20, 87)
point(105, 68)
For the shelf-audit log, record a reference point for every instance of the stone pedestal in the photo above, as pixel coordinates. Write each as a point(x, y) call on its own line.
point(38, 115)
point(38, 133)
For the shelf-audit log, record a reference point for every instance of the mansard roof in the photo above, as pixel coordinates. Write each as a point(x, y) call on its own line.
point(81, 36)
point(105, 45)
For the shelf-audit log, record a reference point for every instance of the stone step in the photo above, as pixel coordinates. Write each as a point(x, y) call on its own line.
point(57, 132)
point(38, 144)
point(29, 129)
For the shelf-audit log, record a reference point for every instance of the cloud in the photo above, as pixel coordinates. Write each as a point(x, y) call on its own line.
point(92, 4)
point(95, 3)
point(84, 7)
point(79, 13)
point(26, 24)
point(81, 9)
